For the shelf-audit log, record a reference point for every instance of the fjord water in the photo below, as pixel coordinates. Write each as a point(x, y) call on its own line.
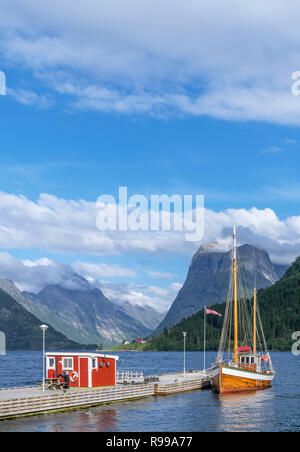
point(276, 409)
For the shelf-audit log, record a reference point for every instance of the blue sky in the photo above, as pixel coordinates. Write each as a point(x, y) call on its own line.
point(84, 154)
point(175, 105)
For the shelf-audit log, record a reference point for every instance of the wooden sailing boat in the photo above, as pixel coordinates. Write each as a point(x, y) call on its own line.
point(245, 369)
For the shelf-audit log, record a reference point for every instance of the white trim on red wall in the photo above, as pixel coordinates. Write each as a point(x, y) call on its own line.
point(90, 367)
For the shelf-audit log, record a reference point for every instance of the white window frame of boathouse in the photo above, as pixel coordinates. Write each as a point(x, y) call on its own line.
point(49, 367)
point(67, 358)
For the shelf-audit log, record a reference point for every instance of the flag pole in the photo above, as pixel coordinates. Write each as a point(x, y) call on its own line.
point(204, 346)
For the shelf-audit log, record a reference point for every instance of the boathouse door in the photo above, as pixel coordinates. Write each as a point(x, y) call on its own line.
point(85, 373)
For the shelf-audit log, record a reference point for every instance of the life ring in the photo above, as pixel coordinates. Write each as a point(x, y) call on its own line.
point(265, 359)
point(74, 377)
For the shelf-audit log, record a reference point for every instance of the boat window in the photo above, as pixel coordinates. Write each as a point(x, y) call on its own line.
point(67, 364)
point(94, 363)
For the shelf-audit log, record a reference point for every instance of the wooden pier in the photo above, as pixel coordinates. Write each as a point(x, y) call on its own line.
point(174, 383)
point(32, 401)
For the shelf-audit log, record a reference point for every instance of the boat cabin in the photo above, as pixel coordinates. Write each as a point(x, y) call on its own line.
point(246, 359)
point(85, 370)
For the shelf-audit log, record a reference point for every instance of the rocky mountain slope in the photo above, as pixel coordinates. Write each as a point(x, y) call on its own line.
point(46, 315)
point(145, 315)
point(208, 279)
point(279, 310)
point(85, 315)
point(22, 329)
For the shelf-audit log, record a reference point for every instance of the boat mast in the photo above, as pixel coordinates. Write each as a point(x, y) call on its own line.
point(254, 323)
point(235, 299)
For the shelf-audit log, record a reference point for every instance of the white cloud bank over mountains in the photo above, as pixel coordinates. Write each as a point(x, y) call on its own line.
point(53, 225)
point(69, 227)
point(34, 276)
point(231, 60)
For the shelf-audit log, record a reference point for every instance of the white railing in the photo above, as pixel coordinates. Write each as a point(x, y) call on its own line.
point(130, 376)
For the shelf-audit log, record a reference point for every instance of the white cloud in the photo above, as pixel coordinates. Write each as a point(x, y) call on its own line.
point(100, 270)
point(69, 227)
point(262, 228)
point(33, 276)
point(159, 298)
point(229, 60)
point(27, 97)
point(44, 262)
point(272, 150)
point(159, 274)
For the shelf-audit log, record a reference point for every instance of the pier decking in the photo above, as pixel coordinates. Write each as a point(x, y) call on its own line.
point(173, 383)
point(31, 400)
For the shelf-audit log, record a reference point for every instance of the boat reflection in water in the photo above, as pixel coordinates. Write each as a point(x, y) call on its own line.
point(244, 411)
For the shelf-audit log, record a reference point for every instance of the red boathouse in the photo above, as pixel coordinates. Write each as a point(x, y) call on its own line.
point(85, 370)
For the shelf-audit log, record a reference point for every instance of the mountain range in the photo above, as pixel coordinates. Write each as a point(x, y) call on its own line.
point(145, 315)
point(22, 329)
point(84, 314)
point(80, 313)
point(208, 278)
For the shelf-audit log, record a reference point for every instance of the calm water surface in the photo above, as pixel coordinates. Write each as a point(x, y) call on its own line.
point(277, 409)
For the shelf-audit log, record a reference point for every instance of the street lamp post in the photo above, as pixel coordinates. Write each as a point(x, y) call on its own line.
point(44, 329)
point(184, 338)
point(204, 342)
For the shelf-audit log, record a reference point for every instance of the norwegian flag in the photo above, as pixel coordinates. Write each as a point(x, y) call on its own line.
point(210, 311)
